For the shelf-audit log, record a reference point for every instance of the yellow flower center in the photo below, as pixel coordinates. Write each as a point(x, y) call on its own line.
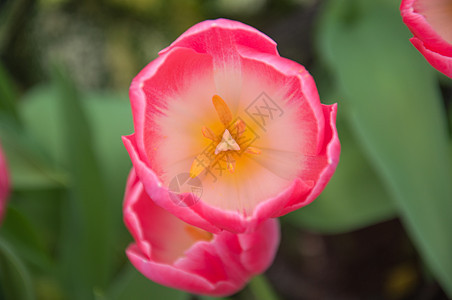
point(226, 147)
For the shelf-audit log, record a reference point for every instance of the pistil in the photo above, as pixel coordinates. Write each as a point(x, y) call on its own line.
point(227, 143)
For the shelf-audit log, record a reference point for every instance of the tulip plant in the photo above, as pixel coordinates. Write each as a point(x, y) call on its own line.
point(269, 147)
point(232, 150)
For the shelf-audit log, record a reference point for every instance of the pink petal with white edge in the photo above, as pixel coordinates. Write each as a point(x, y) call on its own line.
point(430, 21)
point(161, 81)
point(328, 158)
point(168, 254)
point(219, 39)
point(255, 260)
point(4, 184)
point(213, 37)
point(170, 276)
point(418, 16)
point(159, 193)
point(438, 61)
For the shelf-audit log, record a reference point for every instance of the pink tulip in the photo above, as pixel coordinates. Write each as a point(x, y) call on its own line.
point(220, 105)
point(430, 21)
point(4, 184)
point(176, 254)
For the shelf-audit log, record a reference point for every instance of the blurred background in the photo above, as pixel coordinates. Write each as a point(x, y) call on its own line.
point(380, 230)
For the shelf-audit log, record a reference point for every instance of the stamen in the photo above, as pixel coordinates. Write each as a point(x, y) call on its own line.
point(201, 162)
point(253, 150)
point(230, 163)
point(208, 133)
point(227, 143)
point(223, 111)
point(239, 127)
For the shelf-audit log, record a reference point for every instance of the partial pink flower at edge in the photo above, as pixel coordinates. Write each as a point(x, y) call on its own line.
point(178, 255)
point(4, 184)
point(430, 21)
point(224, 75)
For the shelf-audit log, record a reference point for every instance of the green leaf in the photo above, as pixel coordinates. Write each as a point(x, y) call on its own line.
point(354, 197)
point(262, 289)
point(40, 208)
point(15, 280)
point(29, 165)
point(109, 117)
point(40, 109)
point(32, 227)
point(87, 235)
point(19, 232)
point(212, 298)
point(396, 111)
point(130, 284)
point(8, 96)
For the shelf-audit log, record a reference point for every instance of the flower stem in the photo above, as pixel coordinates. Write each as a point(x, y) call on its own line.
point(262, 289)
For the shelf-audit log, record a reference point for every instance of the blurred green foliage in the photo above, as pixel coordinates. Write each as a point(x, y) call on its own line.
point(397, 113)
point(63, 236)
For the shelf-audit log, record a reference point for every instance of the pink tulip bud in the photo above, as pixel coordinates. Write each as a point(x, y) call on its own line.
point(176, 254)
point(220, 106)
point(430, 21)
point(4, 184)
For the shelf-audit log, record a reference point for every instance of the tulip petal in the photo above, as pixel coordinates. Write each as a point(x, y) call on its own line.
point(142, 216)
point(213, 36)
point(176, 278)
point(168, 80)
point(254, 259)
point(160, 194)
point(296, 87)
point(430, 21)
point(220, 39)
point(440, 62)
point(324, 167)
point(167, 253)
